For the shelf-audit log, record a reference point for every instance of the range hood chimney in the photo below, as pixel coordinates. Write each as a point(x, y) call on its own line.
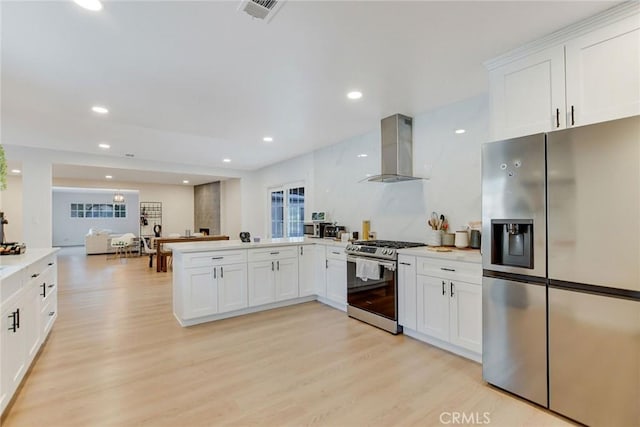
point(397, 150)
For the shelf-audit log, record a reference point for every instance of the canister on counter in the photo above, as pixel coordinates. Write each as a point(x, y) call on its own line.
point(366, 227)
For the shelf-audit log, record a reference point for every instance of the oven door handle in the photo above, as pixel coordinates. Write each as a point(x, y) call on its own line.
point(389, 265)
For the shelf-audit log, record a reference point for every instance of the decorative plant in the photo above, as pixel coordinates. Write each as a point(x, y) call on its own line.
point(3, 169)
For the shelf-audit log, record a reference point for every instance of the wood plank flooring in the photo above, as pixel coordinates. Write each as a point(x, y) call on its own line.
point(117, 357)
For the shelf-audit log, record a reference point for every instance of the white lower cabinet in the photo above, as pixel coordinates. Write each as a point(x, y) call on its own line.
point(216, 289)
point(336, 274)
point(14, 360)
point(433, 307)
point(306, 273)
point(320, 271)
point(407, 291)
point(200, 293)
point(262, 282)
point(275, 279)
point(466, 316)
point(440, 302)
point(232, 287)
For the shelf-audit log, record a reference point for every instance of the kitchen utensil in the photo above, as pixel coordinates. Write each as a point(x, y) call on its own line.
point(462, 239)
point(441, 223)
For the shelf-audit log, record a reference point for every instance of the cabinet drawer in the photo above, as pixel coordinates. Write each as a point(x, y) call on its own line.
point(205, 259)
point(452, 270)
point(39, 268)
point(268, 254)
point(336, 252)
point(48, 314)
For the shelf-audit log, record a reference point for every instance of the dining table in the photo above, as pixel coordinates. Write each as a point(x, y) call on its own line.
point(161, 256)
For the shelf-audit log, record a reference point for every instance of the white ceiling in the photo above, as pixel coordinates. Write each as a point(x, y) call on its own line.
point(194, 82)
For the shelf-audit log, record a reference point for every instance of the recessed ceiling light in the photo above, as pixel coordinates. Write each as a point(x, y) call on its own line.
point(185, 181)
point(356, 94)
point(267, 139)
point(108, 176)
point(226, 160)
point(94, 5)
point(460, 131)
point(104, 146)
point(15, 171)
point(100, 109)
point(363, 155)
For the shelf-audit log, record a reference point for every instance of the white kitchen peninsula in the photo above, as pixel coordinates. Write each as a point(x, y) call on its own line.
point(29, 307)
point(221, 279)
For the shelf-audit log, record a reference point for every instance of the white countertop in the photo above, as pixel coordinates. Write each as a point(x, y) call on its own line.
point(10, 264)
point(465, 255)
point(225, 245)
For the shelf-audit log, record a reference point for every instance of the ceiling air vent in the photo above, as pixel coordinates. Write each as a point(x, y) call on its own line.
point(261, 9)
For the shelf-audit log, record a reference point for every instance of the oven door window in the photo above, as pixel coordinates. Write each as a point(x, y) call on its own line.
point(375, 296)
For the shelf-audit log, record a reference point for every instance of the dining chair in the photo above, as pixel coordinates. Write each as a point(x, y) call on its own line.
point(146, 250)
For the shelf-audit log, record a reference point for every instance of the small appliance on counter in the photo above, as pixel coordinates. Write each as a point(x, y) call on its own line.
point(333, 231)
point(12, 248)
point(245, 236)
point(315, 229)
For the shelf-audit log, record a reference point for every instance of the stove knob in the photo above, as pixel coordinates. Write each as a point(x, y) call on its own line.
point(385, 251)
point(392, 251)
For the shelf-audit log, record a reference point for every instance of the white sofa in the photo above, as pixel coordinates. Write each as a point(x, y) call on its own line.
point(99, 241)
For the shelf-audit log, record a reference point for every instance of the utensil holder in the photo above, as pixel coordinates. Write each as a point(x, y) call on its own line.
point(434, 237)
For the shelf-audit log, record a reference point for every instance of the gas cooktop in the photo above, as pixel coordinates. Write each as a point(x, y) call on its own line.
point(379, 248)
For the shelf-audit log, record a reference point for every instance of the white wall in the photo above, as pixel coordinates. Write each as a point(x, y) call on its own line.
point(177, 200)
point(397, 211)
point(254, 190)
point(11, 205)
point(231, 207)
point(69, 231)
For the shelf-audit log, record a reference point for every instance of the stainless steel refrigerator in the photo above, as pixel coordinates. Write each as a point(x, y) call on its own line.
point(561, 270)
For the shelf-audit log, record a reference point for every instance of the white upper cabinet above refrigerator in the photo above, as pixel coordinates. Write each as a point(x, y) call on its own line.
point(587, 73)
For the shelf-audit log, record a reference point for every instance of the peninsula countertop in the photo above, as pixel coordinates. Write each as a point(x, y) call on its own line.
point(11, 264)
point(225, 245)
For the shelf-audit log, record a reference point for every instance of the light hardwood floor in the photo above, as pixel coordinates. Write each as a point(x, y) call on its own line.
point(116, 356)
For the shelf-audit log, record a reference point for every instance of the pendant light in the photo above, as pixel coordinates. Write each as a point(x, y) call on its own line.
point(118, 197)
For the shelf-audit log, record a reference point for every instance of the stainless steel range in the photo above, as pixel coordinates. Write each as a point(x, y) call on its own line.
point(372, 282)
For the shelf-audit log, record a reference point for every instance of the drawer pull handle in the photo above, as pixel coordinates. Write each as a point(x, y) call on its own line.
point(301, 250)
point(222, 272)
point(51, 313)
point(336, 253)
point(275, 253)
point(278, 264)
point(272, 268)
point(447, 269)
point(218, 257)
point(443, 290)
point(453, 287)
point(405, 263)
point(50, 264)
point(34, 275)
point(51, 286)
point(44, 290)
point(215, 273)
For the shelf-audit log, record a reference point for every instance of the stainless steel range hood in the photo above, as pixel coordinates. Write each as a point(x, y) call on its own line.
point(397, 150)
